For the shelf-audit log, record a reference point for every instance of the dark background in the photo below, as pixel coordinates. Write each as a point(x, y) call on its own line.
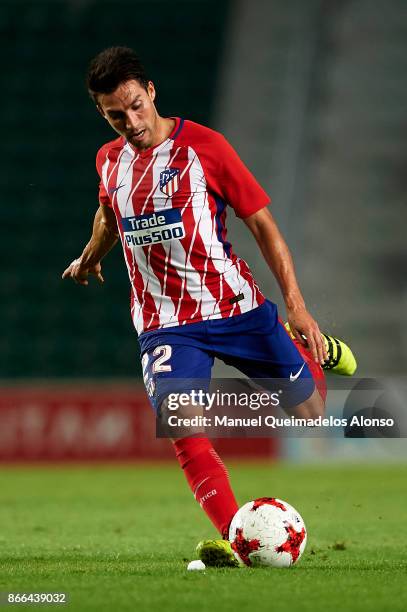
point(312, 94)
point(50, 135)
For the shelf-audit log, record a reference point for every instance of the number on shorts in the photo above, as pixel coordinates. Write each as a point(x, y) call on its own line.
point(164, 352)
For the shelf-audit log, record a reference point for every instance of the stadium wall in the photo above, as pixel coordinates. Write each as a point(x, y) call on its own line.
point(71, 421)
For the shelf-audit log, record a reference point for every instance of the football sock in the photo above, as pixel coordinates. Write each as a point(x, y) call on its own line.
point(208, 479)
point(314, 367)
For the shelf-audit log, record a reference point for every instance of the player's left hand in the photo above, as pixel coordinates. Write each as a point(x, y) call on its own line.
point(306, 331)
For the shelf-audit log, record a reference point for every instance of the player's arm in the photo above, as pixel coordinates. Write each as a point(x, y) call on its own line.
point(278, 257)
point(104, 236)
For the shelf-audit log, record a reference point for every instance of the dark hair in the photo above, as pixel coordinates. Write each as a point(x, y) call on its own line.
point(112, 67)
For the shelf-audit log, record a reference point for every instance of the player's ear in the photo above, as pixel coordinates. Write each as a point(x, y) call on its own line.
point(101, 111)
point(151, 91)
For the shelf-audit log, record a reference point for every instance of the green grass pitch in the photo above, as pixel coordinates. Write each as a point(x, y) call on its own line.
point(119, 538)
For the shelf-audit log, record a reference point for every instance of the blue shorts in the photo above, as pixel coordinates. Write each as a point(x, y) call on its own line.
point(179, 359)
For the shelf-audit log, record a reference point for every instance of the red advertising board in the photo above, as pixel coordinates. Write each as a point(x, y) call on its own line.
point(91, 421)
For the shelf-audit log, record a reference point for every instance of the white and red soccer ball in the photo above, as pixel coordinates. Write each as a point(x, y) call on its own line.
point(267, 531)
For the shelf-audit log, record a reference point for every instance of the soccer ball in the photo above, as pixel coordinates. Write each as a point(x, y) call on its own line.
point(267, 531)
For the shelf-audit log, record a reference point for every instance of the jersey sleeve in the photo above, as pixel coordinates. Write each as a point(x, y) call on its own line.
point(104, 199)
point(235, 183)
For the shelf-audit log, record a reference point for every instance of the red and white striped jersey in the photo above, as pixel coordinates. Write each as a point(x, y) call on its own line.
point(170, 202)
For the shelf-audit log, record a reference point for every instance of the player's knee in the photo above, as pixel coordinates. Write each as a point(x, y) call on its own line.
point(181, 410)
point(181, 421)
point(312, 408)
point(316, 411)
point(166, 410)
point(315, 406)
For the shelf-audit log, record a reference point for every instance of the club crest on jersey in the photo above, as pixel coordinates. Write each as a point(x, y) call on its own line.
point(169, 181)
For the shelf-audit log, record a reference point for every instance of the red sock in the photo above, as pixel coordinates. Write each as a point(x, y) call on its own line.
point(208, 479)
point(314, 367)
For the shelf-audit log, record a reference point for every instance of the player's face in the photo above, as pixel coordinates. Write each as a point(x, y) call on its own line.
point(131, 112)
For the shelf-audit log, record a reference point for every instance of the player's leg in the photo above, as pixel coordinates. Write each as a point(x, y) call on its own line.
point(227, 336)
point(218, 552)
point(257, 343)
point(173, 369)
point(208, 480)
point(310, 408)
point(282, 345)
point(340, 360)
point(257, 353)
point(265, 352)
point(314, 406)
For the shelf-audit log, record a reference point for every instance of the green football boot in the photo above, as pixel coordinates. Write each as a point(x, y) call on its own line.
point(216, 553)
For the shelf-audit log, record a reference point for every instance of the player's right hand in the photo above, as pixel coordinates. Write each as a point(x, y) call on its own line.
point(80, 274)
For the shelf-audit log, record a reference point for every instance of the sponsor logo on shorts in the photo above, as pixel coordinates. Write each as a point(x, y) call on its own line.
point(294, 377)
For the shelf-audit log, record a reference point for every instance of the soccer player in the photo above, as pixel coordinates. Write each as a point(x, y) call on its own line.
point(165, 187)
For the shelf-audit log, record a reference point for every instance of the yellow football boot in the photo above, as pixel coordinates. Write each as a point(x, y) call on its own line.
point(340, 357)
point(216, 553)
